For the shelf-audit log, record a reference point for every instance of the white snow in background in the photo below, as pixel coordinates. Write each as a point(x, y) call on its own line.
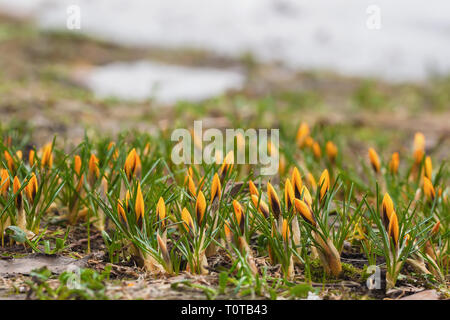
point(164, 83)
point(317, 34)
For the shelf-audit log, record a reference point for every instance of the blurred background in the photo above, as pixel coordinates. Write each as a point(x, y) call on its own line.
point(67, 65)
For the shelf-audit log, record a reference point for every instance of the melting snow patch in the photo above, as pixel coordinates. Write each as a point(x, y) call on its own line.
point(165, 83)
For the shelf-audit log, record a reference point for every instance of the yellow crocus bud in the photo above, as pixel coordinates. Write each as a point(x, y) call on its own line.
point(133, 166)
point(139, 207)
point(216, 188)
point(316, 150)
point(31, 188)
point(297, 183)
point(252, 188)
point(428, 168)
point(374, 160)
point(302, 134)
point(161, 211)
point(324, 183)
point(188, 223)
point(305, 211)
point(419, 147)
point(273, 200)
point(47, 156)
point(428, 189)
point(94, 171)
point(200, 207)
point(261, 206)
point(394, 163)
point(239, 215)
point(289, 195)
point(332, 151)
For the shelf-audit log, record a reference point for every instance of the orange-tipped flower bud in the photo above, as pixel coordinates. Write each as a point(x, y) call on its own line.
point(302, 134)
point(331, 150)
point(31, 188)
point(146, 149)
point(47, 156)
point(419, 147)
point(16, 188)
point(394, 163)
point(31, 156)
point(77, 164)
point(273, 200)
point(9, 161)
point(227, 231)
point(393, 230)
point(289, 195)
point(161, 211)
point(133, 166)
point(309, 141)
point(428, 189)
point(94, 171)
point(435, 229)
point(187, 219)
point(428, 168)
point(297, 183)
point(285, 230)
point(387, 208)
point(191, 186)
point(306, 196)
point(253, 190)
point(316, 150)
point(216, 189)
point(4, 182)
point(200, 207)
point(239, 215)
point(127, 200)
point(305, 211)
point(261, 207)
point(227, 164)
point(374, 160)
point(324, 183)
point(121, 213)
point(139, 207)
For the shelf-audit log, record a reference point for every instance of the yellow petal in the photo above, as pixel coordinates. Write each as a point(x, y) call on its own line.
point(161, 211)
point(289, 195)
point(200, 207)
point(394, 163)
point(428, 189)
point(324, 183)
point(374, 160)
point(216, 188)
point(331, 150)
point(273, 200)
point(297, 183)
point(428, 168)
point(305, 211)
point(139, 206)
point(253, 189)
point(262, 207)
point(187, 219)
